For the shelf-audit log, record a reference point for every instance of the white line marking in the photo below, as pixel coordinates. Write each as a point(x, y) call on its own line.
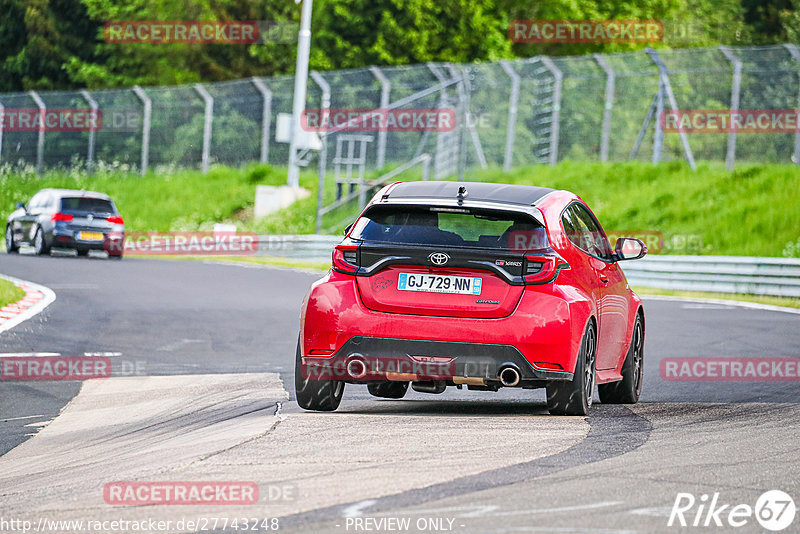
point(48, 297)
point(28, 354)
point(752, 305)
point(177, 344)
point(355, 509)
point(20, 418)
point(105, 354)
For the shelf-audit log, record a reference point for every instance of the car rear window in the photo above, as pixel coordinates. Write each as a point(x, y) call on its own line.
point(466, 227)
point(87, 204)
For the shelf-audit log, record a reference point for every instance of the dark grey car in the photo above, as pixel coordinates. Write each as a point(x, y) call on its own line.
point(66, 218)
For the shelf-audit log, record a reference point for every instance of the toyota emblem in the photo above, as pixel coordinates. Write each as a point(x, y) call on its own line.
point(439, 258)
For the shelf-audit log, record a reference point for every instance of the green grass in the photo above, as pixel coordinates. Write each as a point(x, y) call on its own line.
point(9, 293)
point(787, 302)
point(753, 211)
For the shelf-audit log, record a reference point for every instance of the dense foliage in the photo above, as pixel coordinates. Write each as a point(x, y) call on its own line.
point(54, 44)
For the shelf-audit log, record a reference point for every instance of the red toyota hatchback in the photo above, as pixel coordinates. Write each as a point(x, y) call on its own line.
point(471, 284)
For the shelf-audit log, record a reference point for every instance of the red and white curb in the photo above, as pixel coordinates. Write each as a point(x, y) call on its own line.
point(36, 299)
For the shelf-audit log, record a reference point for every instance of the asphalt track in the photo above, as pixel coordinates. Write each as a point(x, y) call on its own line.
point(213, 349)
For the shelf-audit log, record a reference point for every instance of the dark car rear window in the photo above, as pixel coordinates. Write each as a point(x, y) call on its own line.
point(480, 228)
point(87, 204)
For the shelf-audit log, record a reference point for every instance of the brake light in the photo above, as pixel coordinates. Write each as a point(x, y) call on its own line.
point(115, 219)
point(61, 217)
point(543, 269)
point(345, 259)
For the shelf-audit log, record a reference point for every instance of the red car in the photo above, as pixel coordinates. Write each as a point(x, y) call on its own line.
point(471, 284)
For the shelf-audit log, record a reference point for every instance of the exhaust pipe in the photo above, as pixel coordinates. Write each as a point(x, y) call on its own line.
point(435, 387)
point(356, 367)
point(509, 375)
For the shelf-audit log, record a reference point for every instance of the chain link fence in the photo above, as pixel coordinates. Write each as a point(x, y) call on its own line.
point(508, 113)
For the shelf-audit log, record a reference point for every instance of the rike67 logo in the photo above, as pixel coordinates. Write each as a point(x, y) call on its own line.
point(774, 510)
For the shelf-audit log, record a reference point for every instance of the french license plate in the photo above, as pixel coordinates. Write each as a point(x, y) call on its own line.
point(90, 236)
point(439, 283)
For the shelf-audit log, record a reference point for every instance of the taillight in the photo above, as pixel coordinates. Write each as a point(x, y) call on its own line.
point(115, 219)
point(543, 269)
point(345, 259)
point(61, 217)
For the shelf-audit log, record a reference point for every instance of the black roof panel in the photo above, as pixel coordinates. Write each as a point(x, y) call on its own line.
point(525, 195)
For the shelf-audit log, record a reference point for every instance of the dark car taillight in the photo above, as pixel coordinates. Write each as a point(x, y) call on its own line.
point(61, 217)
point(345, 259)
point(115, 219)
point(543, 269)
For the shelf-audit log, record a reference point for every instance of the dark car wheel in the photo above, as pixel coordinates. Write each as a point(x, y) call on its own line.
point(388, 390)
point(39, 242)
point(82, 252)
point(11, 246)
point(575, 397)
point(627, 390)
point(317, 395)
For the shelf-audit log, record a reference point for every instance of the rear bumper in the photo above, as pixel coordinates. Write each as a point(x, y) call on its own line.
point(421, 360)
point(112, 241)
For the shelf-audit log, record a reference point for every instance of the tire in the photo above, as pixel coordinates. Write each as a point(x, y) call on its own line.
point(82, 252)
point(40, 243)
point(388, 390)
point(627, 390)
point(316, 395)
point(11, 246)
point(115, 256)
point(575, 397)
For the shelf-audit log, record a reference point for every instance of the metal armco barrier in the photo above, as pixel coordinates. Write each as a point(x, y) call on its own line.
point(721, 274)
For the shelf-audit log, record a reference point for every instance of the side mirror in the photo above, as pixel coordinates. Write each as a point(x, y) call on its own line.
point(20, 205)
point(349, 227)
point(629, 248)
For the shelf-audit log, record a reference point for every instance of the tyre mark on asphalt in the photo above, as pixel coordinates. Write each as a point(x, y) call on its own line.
point(613, 431)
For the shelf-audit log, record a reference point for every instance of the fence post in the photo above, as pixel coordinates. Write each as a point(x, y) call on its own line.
point(673, 104)
point(147, 114)
point(554, 125)
point(323, 153)
point(90, 151)
point(207, 123)
point(658, 138)
point(608, 105)
point(40, 142)
point(2, 124)
point(266, 116)
point(795, 52)
point(513, 102)
point(386, 89)
point(730, 157)
point(469, 123)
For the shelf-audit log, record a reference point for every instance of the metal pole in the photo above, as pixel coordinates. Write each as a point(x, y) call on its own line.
point(266, 116)
point(554, 126)
point(147, 114)
point(207, 123)
point(40, 142)
point(658, 138)
point(323, 153)
point(513, 102)
point(608, 106)
point(468, 122)
point(90, 152)
point(795, 52)
point(440, 149)
point(300, 83)
point(730, 157)
point(664, 77)
point(386, 89)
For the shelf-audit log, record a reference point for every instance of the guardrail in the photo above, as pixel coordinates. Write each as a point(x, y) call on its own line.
point(721, 274)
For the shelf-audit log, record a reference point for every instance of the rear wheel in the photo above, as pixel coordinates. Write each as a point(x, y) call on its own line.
point(39, 242)
point(11, 246)
point(317, 395)
point(627, 390)
point(388, 390)
point(575, 397)
point(115, 256)
point(83, 252)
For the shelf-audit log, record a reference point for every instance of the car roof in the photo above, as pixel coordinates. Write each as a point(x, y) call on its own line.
point(75, 193)
point(520, 195)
